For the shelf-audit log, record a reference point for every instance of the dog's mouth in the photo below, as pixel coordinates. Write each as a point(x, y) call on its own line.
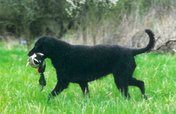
point(35, 60)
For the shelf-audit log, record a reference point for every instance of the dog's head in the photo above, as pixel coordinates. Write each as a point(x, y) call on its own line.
point(40, 51)
point(42, 45)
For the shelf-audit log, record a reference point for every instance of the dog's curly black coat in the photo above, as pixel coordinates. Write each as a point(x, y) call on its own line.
point(82, 64)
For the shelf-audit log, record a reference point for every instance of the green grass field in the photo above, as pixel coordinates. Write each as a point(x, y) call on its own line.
point(20, 92)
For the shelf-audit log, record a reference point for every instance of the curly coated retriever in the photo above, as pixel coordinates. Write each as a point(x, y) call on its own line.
point(81, 64)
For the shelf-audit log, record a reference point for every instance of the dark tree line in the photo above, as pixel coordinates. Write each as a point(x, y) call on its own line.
point(38, 17)
point(33, 18)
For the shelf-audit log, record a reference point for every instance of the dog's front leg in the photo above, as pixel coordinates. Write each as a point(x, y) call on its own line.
point(60, 86)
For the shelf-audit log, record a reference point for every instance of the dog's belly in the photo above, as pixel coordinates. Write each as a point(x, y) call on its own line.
point(86, 74)
point(85, 77)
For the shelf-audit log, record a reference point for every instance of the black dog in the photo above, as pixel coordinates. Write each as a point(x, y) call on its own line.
point(82, 64)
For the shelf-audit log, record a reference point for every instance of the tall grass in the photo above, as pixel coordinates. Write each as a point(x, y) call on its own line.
point(20, 92)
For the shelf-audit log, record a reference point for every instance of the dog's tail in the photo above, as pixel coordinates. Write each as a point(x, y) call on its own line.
point(149, 46)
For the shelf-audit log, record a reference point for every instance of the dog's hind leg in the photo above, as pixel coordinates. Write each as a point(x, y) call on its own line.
point(122, 84)
point(122, 74)
point(135, 82)
point(138, 83)
point(84, 87)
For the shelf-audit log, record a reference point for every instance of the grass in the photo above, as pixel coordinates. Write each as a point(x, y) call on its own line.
point(20, 92)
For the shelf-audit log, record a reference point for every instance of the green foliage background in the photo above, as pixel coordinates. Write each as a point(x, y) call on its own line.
point(33, 18)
